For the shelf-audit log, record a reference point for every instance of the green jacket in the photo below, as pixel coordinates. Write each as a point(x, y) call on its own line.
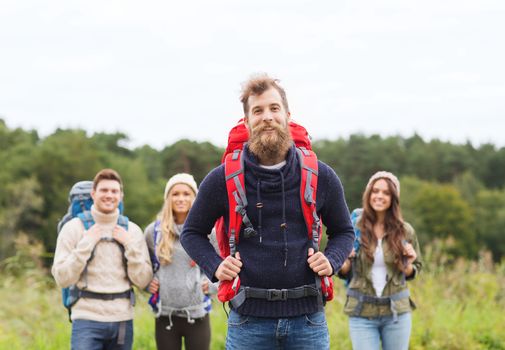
point(361, 281)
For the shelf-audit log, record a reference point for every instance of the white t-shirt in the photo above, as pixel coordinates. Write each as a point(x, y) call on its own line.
point(275, 166)
point(379, 271)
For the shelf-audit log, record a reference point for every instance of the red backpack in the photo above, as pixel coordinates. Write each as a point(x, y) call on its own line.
point(228, 237)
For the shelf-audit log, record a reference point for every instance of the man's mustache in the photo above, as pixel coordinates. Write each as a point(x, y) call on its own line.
point(264, 126)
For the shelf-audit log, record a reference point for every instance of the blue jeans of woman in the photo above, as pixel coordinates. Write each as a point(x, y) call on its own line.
point(303, 332)
point(94, 335)
point(369, 333)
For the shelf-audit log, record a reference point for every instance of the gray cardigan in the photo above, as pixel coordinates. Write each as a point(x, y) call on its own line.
point(180, 281)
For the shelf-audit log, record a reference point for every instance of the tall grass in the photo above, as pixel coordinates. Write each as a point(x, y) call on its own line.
point(461, 305)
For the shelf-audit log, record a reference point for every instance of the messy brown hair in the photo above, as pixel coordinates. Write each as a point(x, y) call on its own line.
point(257, 85)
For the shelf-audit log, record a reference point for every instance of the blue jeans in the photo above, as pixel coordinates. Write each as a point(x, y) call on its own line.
point(303, 332)
point(94, 335)
point(369, 333)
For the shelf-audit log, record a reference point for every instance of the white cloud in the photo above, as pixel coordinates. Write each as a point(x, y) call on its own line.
point(160, 71)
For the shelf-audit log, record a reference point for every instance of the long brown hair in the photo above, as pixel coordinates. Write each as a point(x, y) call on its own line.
point(393, 225)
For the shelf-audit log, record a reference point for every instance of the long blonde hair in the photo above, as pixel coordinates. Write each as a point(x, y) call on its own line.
point(168, 236)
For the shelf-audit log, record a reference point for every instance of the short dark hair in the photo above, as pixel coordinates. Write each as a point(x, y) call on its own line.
point(257, 85)
point(107, 174)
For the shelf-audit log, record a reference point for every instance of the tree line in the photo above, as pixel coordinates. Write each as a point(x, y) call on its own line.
point(450, 192)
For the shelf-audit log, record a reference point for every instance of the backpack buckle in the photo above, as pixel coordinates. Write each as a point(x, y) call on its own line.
point(277, 294)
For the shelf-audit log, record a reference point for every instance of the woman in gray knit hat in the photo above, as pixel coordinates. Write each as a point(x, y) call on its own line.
point(385, 255)
point(180, 291)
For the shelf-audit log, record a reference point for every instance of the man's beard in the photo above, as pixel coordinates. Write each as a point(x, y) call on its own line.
point(267, 145)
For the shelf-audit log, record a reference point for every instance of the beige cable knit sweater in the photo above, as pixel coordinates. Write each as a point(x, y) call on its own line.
point(106, 272)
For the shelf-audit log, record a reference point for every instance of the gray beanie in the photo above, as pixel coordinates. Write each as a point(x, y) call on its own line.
point(181, 178)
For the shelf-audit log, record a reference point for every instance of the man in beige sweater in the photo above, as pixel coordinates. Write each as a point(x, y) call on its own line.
point(94, 260)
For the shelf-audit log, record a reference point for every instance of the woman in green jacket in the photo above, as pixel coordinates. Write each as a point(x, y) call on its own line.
point(378, 300)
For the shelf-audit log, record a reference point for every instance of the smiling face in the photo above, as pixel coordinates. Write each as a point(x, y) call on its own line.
point(107, 195)
point(181, 197)
point(266, 109)
point(380, 196)
point(267, 122)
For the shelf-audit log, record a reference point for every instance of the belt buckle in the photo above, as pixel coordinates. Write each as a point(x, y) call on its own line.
point(277, 294)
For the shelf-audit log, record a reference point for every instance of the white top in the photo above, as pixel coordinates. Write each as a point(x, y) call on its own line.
point(275, 166)
point(379, 271)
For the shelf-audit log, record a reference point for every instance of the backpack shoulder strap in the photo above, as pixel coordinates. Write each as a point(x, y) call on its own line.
point(308, 192)
point(86, 219)
point(157, 232)
point(355, 215)
point(237, 200)
point(123, 221)
point(156, 239)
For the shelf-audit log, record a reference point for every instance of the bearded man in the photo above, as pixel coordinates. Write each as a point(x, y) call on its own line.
point(279, 256)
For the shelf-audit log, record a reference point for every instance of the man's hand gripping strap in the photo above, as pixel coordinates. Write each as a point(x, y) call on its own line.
point(237, 202)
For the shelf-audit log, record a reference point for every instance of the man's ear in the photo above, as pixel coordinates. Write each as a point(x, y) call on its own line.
point(246, 122)
point(93, 193)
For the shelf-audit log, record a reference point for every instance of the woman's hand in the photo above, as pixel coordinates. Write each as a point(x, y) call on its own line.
point(205, 286)
point(409, 252)
point(410, 256)
point(154, 286)
point(346, 266)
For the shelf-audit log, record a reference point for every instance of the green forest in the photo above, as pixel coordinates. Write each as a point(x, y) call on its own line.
point(450, 192)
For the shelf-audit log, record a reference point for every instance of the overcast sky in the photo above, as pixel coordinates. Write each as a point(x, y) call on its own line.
point(160, 71)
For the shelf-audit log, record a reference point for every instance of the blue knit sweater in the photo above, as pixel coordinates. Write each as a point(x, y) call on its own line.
point(280, 259)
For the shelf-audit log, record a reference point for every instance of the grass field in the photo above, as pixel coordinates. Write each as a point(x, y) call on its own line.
point(461, 307)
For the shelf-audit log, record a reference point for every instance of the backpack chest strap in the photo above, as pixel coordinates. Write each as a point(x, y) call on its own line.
point(129, 294)
point(88, 221)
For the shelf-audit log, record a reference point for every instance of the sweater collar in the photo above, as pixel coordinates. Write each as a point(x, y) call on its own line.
point(270, 178)
point(272, 181)
point(103, 218)
point(178, 229)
